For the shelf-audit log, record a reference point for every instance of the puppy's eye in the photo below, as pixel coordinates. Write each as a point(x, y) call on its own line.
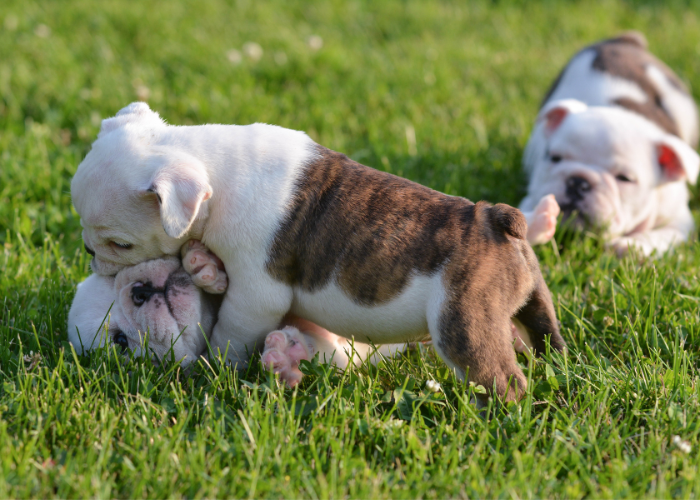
point(123, 246)
point(121, 340)
point(623, 178)
point(141, 294)
point(555, 158)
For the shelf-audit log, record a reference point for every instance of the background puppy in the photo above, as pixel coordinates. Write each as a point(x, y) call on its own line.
point(613, 142)
point(160, 299)
point(305, 230)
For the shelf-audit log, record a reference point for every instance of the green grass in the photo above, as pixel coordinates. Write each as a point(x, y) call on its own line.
point(466, 79)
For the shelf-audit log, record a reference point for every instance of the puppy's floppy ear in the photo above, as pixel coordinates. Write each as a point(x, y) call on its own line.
point(181, 186)
point(134, 112)
point(554, 113)
point(676, 160)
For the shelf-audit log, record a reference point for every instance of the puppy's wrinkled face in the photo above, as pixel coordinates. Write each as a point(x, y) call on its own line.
point(156, 298)
point(600, 173)
point(603, 165)
point(120, 217)
point(136, 192)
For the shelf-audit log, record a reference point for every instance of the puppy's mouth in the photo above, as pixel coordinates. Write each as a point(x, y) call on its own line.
point(573, 217)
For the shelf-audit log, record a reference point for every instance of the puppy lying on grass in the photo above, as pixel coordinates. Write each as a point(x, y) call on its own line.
point(614, 144)
point(175, 308)
point(305, 230)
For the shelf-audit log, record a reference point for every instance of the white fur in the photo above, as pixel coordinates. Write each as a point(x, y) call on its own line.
point(250, 170)
point(400, 320)
point(595, 88)
point(88, 316)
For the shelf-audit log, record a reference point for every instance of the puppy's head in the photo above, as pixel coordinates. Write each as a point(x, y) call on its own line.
point(603, 164)
point(137, 193)
point(156, 299)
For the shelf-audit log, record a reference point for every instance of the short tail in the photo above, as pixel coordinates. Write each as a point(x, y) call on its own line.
point(634, 37)
point(509, 220)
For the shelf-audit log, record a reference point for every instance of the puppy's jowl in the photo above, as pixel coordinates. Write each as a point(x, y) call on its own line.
point(305, 230)
point(613, 144)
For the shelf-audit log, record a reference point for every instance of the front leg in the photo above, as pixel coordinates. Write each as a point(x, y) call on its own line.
point(542, 220)
point(646, 243)
point(252, 307)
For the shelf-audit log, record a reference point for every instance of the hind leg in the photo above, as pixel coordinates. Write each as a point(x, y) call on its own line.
point(300, 339)
point(477, 342)
point(536, 320)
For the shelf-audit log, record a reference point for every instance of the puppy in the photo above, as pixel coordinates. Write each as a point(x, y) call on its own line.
point(157, 298)
point(613, 142)
point(177, 310)
point(306, 230)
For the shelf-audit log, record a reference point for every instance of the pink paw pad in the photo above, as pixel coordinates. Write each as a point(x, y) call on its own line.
point(205, 268)
point(544, 221)
point(284, 349)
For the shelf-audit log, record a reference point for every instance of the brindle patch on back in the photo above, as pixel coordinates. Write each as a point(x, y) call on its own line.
point(619, 57)
point(626, 57)
point(371, 232)
point(370, 229)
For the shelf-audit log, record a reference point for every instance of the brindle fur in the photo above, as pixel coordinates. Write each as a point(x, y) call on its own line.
point(371, 231)
point(626, 57)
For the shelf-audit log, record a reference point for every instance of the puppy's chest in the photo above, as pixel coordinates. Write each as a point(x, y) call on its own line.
point(367, 231)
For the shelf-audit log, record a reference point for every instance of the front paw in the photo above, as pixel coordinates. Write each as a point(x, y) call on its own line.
point(206, 269)
point(544, 221)
point(284, 349)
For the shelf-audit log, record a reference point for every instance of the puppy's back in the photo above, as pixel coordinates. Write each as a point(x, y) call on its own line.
point(372, 231)
point(634, 79)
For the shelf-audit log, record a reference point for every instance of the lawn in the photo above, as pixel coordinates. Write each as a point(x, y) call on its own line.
point(442, 93)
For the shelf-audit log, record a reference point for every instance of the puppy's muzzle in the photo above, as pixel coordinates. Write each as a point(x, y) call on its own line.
point(89, 250)
point(576, 188)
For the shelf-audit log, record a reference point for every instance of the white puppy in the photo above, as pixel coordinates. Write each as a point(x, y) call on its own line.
point(304, 230)
point(611, 143)
point(159, 299)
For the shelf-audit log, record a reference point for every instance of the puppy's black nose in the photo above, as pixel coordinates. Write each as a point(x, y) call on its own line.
point(120, 340)
point(89, 250)
point(142, 293)
point(577, 187)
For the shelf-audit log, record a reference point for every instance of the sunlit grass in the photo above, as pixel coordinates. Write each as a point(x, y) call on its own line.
point(442, 93)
